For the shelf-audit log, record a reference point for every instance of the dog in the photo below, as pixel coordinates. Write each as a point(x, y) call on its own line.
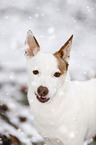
point(62, 109)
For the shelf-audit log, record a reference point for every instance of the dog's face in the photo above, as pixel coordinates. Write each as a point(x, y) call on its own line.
point(46, 72)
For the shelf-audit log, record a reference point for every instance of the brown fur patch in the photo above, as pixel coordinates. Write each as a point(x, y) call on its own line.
point(61, 63)
point(63, 55)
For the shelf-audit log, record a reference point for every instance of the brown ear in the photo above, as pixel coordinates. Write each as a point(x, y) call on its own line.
point(64, 52)
point(32, 46)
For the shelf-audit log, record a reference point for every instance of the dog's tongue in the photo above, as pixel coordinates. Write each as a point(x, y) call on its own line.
point(44, 97)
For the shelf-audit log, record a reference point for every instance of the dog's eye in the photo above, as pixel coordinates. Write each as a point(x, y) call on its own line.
point(57, 74)
point(35, 72)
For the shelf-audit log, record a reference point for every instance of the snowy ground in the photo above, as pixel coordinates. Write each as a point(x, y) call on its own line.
point(52, 22)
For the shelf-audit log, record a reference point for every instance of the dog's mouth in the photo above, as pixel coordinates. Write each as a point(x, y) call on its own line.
point(42, 99)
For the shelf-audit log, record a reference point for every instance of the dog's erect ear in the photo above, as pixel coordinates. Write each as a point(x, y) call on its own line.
point(64, 52)
point(32, 46)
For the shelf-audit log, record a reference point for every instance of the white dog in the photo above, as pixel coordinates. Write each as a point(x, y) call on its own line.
point(62, 109)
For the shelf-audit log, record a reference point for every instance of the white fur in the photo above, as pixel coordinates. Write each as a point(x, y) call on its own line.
point(70, 114)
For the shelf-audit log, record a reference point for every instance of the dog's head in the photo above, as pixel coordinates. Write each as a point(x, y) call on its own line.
point(46, 72)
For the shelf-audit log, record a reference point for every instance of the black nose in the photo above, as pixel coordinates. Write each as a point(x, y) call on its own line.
point(42, 91)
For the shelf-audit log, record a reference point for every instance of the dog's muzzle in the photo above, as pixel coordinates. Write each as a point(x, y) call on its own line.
point(42, 93)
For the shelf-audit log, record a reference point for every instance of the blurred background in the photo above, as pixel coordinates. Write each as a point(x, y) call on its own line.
point(52, 22)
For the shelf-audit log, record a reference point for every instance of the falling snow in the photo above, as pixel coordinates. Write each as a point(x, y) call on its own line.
point(52, 22)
